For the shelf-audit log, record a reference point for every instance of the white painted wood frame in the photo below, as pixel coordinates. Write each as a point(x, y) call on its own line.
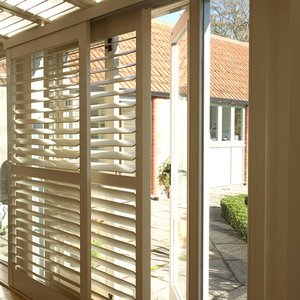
point(274, 150)
point(18, 279)
point(199, 93)
point(141, 24)
point(198, 137)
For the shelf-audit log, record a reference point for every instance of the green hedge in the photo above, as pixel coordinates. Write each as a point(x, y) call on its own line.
point(235, 212)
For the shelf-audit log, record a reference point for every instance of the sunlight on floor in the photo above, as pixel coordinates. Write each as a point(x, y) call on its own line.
point(6, 294)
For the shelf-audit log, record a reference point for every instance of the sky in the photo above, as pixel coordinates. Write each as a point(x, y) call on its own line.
point(171, 18)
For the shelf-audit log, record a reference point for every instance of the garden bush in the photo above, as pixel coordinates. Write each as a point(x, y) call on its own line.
point(235, 212)
point(164, 176)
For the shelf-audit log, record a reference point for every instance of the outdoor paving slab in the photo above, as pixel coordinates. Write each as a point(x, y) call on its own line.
point(217, 222)
point(159, 289)
point(219, 226)
point(222, 287)
point(228, 253)
point(240, 294)
point(239, 268)
point(224, 237)
point(218, 271)
point(233, 251)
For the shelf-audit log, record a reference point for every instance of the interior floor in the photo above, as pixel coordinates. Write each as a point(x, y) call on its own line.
point(6, 294)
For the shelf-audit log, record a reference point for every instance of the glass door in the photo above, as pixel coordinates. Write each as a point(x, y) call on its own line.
point(179, 130)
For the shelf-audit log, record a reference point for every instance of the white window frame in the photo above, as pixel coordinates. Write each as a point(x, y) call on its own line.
point(232, 140)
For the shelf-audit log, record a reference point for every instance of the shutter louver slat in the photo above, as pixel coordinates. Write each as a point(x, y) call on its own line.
point(44, 259)
point(114, 279)
point(112, 168)
point(113, 218)
point(97, 85)
point(102, 58)
point(114, 255)
point(58, 164)
point(51, 251)
point(55, 222)
point(112, 118)
point(74, 250)
point(53, 99)
point(57, 189)
point(106, 288)
point(112, 155)
point(112, 229)
point(116, 130)
point(46, 120)
point(47, 152)
point(112, 105)
point(51, 228)
point(46, 137)
point(113, 205)
point(112, 192)
point(45, 110)
point(127, 247)
point(48, 142)
point(97, 97)
point(113, 152)
point(114, 267)
point(96, 71)
point(47, 131)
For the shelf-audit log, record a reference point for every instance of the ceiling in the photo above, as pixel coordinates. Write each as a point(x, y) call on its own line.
point(19, 15)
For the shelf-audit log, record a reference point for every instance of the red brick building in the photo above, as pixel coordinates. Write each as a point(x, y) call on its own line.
point(229, 62)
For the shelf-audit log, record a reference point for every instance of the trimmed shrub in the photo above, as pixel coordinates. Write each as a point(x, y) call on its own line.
point(164, 176)
point(235, 212)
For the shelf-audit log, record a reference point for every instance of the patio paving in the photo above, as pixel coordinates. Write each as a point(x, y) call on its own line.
point(228, 253)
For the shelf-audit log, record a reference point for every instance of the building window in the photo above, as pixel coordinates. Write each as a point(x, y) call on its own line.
point(213, 123)
point(226, 123)
point(238, 124)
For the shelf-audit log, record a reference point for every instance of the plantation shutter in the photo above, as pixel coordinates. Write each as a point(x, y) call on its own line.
point(120, 157)
point(48, 166)
point(79, 162)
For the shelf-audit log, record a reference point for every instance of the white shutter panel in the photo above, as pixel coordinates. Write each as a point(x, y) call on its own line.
point(46, 199)
point(120, 108)
point(46, 110)
point(80, 162)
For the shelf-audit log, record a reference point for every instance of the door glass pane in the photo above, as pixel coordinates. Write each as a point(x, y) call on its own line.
point(238, 124)
point(179, 167)
point(226, 123)
point(213, 123)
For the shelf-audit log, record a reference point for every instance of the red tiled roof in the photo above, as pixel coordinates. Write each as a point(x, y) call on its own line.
point(160, 57)
point(229, 63)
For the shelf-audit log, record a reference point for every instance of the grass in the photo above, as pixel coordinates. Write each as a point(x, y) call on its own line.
point(235, 212)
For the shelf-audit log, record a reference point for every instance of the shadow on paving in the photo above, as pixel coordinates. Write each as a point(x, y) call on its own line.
point(228, 253)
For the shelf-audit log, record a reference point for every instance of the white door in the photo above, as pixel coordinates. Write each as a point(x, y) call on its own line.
point(79, 162)
point(179, 172)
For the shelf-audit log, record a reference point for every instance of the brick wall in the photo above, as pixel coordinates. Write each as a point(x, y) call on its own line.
point(161, 140)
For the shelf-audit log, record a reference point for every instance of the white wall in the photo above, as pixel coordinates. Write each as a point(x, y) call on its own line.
point(226, 164)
